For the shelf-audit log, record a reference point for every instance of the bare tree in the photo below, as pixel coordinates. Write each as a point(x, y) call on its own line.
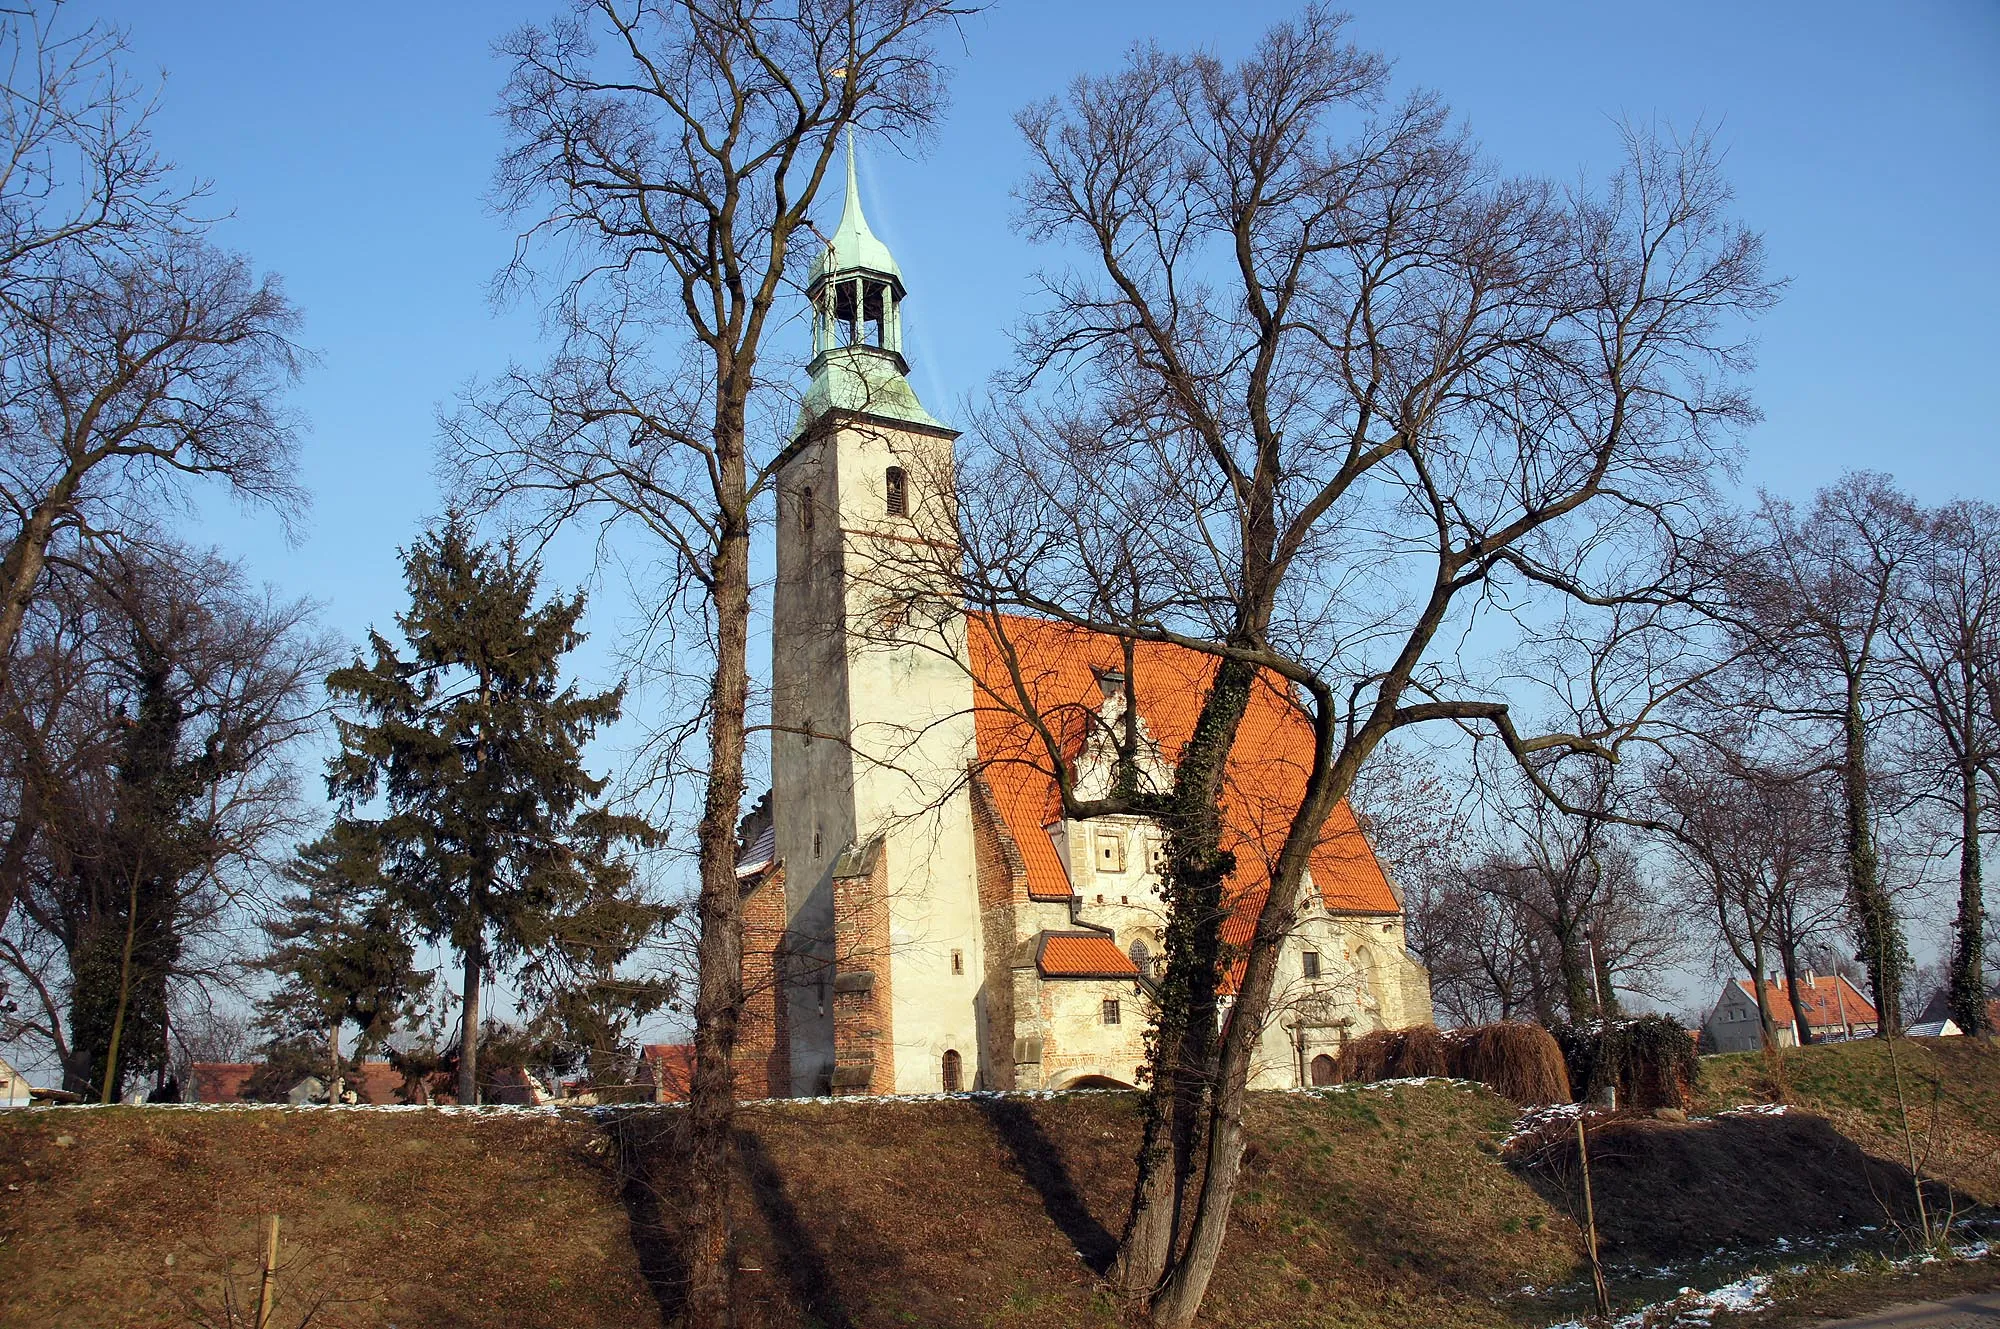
point(665, 155)
point(151, 721)
point(133, 355)
point(1759, 850)
point(1948, 652)
point(1328, 397)
point(1820, 597)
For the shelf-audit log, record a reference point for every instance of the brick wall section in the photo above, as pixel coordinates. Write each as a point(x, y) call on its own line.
point(763, 1061)
point(1003, 886)
point(864, 1058)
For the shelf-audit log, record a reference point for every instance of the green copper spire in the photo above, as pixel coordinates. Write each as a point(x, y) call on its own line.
point(856, 291)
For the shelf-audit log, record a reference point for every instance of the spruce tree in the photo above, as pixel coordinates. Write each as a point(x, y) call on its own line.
point(339, 950)
point(490, 835)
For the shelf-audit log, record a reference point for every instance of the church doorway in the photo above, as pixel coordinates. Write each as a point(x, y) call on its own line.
point(1324, 1070)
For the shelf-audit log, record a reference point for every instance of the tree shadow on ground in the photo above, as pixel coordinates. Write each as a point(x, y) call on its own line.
point(1040, 1164)
point(801, 1262)
point(1672, 1190)
point(638, 1141)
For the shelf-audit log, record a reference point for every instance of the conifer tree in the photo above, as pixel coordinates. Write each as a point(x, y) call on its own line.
point(339, 949)
point(490, 837)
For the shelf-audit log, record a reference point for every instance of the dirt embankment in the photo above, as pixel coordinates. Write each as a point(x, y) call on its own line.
point(1388, 1205)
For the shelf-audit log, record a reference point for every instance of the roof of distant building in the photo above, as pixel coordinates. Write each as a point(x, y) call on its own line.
point(1828, 1000)
point(221, 1081)
point(672, 1068)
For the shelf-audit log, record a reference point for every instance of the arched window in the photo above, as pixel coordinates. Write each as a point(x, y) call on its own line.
point(1142, 956)
point(898, 487)
point(806, 508)
point(1323, 1070)
point(954, 1074)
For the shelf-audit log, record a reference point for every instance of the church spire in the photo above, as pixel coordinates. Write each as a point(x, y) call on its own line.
point(857, 292)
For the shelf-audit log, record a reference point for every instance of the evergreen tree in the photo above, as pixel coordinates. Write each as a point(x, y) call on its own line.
point(339, 950)
point(490, 839)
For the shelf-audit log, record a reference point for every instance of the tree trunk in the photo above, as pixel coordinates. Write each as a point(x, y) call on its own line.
point(1967, 992)
point(719, 997)
point(1180, 1297)
point(468, 1043)
point(109, 1092)
point(1788, 956)
point(21, 570)
point(1197, 870)
point(1767, 1024)
point(1874, 915)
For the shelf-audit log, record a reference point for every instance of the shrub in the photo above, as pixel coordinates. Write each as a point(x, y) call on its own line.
point(1517, 1061)
point(1651, 1060)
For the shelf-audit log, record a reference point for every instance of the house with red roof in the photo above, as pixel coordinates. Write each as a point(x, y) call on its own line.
point(1830, 1007)
point(920, 914)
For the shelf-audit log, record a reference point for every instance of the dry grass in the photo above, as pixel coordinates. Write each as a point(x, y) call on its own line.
point(1361, 1207)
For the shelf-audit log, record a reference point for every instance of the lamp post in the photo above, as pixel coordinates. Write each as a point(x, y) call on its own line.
point(1603, 1017)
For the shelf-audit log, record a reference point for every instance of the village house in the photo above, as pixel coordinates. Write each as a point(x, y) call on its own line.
point(14, 1090)
point(1831, 1007)
point(920, 915)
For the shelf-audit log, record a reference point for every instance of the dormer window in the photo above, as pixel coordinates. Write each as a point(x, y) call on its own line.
point(897, 492)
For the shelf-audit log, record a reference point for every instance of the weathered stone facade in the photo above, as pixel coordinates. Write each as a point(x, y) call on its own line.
point(924, 916)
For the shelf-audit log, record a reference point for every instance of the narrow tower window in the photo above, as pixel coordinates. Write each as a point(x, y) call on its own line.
point(898, 486)
point(874, 303)
point(806, 508)
point(958, 962)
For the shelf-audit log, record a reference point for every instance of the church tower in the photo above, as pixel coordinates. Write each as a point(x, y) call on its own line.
point(872, 707)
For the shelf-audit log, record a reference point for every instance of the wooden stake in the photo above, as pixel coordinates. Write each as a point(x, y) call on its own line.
point(1591, 1223)
point(265, 1284)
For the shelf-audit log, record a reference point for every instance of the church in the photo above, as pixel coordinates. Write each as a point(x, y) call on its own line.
point(920, 917)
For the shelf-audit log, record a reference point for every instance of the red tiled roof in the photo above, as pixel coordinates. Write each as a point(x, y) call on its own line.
point(1829, 1001)
point(672, 1068)
point(221, 1081)
point(1058, 667)
point(1082, 955)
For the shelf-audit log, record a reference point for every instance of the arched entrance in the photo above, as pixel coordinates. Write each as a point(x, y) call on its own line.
point(1325, 1070)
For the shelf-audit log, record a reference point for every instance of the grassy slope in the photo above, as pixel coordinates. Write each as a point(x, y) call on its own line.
point(1951, 1087)
point(1384, 1206)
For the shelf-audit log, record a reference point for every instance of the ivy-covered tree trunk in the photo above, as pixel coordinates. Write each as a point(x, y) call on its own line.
point(1196, 873)
point(1788, 957)
point(1966, 991)
point(1877, 935)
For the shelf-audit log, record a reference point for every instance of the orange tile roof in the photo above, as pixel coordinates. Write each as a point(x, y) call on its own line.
point(1057, 667)
point(220, 1081)
point(671, 1066)
point(1826, 999)
point(1082, 955)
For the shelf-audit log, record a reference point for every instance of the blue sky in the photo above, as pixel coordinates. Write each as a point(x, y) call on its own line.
point(354, 143)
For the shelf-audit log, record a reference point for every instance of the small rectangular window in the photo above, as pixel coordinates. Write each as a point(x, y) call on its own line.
point(958, 962)
point(1312, 964)
point(1111, 1011)
point(1156, 854)
point(898, 492)
point(1110, 851)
